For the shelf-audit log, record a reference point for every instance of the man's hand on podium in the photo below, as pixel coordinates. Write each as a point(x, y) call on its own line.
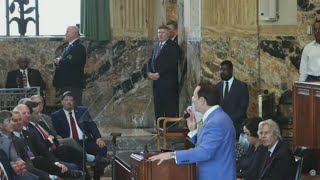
point(162, 157)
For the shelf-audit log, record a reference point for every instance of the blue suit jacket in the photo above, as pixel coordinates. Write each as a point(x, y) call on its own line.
point(83, 118)
point(215, 148)
point(235, 104)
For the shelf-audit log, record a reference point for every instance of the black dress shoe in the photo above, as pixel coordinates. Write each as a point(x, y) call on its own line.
point(102, 161)
point(75, 174)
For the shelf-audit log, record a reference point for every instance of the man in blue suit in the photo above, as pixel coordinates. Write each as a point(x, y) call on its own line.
point(233, 96)
point(73, 121)
point(214, 151)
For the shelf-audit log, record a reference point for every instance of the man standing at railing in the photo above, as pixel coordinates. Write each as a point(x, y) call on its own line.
point(25, 77)
point(69, 73)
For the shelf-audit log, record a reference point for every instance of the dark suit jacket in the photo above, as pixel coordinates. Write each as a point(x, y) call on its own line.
point(175, 39)
point(47, 142)
point(83, 118)
point(281, 165)
point(70, 71)
point(37, 147)
point(251, 163)
point(165, 89)
point(6, 164)
point(14, 79)
point(235, 104)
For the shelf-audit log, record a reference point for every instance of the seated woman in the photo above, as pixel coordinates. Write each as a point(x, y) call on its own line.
point(250, 163)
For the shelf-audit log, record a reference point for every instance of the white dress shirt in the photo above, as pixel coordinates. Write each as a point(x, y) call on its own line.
point(310, 61)
point(206, 114)
point(80, 133)
point(230, 81)
point(273, 147)
point(25, 71)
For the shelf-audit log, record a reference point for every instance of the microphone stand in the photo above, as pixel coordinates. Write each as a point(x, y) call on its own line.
point(84, 156)
point(114, 149)
point(145, 151)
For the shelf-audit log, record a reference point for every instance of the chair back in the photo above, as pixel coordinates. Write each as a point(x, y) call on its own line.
point(299, 162)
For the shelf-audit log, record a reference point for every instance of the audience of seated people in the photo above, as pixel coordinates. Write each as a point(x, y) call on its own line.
point(36, 151)
point(33, 151)
point(248, 167)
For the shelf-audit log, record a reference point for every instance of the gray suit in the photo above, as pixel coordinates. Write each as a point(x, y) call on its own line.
point(7, 146)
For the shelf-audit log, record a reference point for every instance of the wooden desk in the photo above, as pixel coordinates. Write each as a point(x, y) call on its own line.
point(306, 117)
point(131, 166)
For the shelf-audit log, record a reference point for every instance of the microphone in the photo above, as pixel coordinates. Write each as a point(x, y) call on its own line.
point(145, 151)
point(114, 137)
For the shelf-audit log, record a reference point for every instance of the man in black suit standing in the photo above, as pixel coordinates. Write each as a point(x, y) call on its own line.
point(25, 76)
point(69, 73)
point(279, 161)
point(234, 95)
point(163, 71)
point(173, 30)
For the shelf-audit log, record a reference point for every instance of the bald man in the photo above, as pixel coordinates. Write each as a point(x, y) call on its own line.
point(70, 66)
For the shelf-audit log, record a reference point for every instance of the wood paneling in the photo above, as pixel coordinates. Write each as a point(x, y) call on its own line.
point(306, 117)
point(229, 17)
point(132, 18)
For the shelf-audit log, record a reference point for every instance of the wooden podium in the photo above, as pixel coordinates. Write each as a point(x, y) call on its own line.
point(139, 168)
point(306, 116)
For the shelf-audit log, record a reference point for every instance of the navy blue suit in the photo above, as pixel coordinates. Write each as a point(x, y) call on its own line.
point(85, 123)
point(236, 102)
point(166, 88)
point(70, 71)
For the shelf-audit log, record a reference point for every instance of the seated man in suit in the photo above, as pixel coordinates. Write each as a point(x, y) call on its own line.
point(35, 153)
point(75, 121)
point(233, 96)
point(9, 149)
point(25, 76)
point(279, 161)
point(45, 121)
point(214, 152)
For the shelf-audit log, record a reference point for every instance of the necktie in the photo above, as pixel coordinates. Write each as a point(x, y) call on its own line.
point(3, 176)
point(266, 162)
point(73, 127)
point(226, 89)
point(45, 136)
point(24, 79)
point(66, 51)
point(27, 148)
point(199, 124)
point(156, 55)
point(159, 49)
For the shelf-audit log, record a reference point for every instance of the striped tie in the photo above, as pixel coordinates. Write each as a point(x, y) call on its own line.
point(24, 79)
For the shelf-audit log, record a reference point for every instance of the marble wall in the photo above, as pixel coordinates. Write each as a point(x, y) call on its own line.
point(266, 57)
point(117, 91)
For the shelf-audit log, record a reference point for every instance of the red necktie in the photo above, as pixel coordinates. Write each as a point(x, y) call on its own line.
point(2, 174)
point(159, 49)
point(73, 127)
point(45, 136)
